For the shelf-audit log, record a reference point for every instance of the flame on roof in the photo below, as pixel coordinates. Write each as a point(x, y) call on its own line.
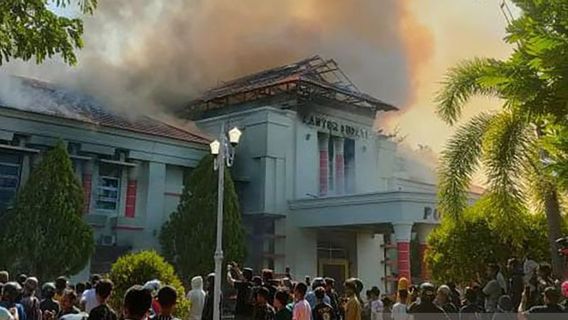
point(308, 79)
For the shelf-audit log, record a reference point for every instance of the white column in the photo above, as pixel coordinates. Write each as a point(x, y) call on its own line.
point(369, 267)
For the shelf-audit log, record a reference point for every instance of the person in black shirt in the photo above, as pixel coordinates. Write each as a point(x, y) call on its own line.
point(243, 285)
point(263, 310)
point(137, 303)
point(167, 298)
point(425, 309)
point(103, 291)
point(470, 309)
point(322, 310)
point(551, 299)
point(333, 296)
point(48, 306)
point(515, 284)
point(443, 300)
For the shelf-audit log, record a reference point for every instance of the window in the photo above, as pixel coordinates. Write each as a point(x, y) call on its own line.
point(349, 169)
point(10, 169)
point(108, 188)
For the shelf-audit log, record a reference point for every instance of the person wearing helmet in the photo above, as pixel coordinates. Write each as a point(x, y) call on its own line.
point(10, 294)
point(425, 309)
point(49, 306)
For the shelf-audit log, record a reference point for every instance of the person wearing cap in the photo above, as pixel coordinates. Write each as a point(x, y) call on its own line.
point(425, 307)
point(49, 306)
point(551, 305)
point(242, 282)
point(443, 300)
point(29, 301)
point(353, 305)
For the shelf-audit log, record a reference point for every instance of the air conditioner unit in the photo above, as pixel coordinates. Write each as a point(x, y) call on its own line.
point(107, 240)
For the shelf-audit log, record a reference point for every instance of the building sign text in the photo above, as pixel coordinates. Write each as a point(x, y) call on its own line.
point(335, 127)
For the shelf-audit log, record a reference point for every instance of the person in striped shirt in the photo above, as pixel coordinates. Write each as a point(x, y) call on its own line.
point(167, 298)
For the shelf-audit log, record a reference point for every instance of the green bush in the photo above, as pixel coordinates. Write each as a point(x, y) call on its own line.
point(461, 249)
point(139, 268)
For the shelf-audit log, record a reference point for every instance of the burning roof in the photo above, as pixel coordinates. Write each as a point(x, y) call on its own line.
point(309, 79)
point(37, 96)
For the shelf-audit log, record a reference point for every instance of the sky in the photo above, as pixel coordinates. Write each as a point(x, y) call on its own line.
point(459, 29)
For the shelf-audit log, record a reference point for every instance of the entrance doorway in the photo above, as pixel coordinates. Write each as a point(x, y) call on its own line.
point(337, 269)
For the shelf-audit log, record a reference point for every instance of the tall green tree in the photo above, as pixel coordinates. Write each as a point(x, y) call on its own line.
point(188, 238)
point(45, 235)
point(31, 29)
point(533, 84)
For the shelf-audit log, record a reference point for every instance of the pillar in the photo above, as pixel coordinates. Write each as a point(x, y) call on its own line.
point(339, 165)
point(323, 140)
point(402, 234)
point(131, 192)
point(369, 268)
point(87, 181)
point(423, 230)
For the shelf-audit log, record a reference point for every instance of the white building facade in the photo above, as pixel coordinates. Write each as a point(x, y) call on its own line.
point(318, 185)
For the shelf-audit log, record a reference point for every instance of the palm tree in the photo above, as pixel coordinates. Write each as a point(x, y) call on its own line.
point(533, 83)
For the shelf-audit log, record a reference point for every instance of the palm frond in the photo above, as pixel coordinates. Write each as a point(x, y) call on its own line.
point(505, 152)
point(459, 162)
point(478, 76)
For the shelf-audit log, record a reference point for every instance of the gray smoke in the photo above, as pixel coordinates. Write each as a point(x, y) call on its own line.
point(147, 55)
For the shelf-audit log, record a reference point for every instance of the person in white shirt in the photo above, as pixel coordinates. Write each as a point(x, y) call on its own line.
point(89, 297)
point(399, 309)
point(302, 309)
point(376, 304)
point(197, 298)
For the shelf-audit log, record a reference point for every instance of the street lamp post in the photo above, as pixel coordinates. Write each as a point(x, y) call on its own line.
point(224, 151)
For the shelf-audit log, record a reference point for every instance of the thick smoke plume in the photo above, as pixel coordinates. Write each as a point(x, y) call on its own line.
point(153, 54)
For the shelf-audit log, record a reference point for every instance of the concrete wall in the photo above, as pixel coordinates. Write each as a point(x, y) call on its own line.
point(159, 163)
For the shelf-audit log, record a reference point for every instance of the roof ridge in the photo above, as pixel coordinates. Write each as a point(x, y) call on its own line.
point(200, 135)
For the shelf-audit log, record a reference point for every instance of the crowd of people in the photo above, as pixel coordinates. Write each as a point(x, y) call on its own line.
point(23, 299)
point(522, 290)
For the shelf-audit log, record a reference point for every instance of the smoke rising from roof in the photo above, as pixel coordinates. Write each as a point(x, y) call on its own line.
point(152, 54)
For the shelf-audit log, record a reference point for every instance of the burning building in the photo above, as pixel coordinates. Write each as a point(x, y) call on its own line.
point(131, 167)
point(319, 186)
